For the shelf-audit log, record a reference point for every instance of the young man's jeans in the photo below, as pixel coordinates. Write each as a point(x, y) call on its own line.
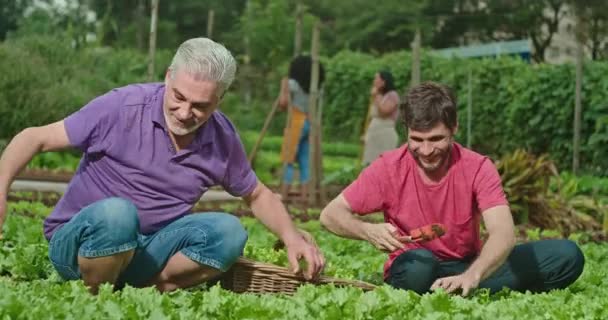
point(536, 266)
point(111, 226)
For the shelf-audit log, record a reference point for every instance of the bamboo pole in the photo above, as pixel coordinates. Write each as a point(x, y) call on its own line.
point(287, 149)
point(577, 103)
point(246, 70)
point(313, 118)
point(297, 43)
point(364, 127)
point(140, 38)
point(210, 16)
point(152, 48)
point(322, 189)
point(416, 58)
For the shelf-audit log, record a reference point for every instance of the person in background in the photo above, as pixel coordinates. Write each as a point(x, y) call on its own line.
point(294, 97)
point(433, 179)
point(149, 153)
point(380, 134)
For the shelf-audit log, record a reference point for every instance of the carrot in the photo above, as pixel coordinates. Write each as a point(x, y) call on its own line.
point(428, 232)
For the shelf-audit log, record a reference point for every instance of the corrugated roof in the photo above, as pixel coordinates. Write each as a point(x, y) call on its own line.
point(487, 49)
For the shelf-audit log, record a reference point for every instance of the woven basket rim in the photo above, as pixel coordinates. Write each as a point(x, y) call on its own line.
point(275, 273)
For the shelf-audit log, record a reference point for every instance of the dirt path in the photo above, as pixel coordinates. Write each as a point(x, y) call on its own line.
point(60, 187)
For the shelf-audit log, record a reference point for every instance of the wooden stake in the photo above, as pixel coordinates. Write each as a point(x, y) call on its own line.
point(313, 117)
point(322, 193)
point(141, 24)
point(287, 147)
point(364, 127)
point(210, 15)
point(246, 70)
point(297, 43)
point(416, 58)
point(152, 48)
point(577, 103)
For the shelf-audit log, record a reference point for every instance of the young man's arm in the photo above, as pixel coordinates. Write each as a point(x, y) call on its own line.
point(22, 149)
point(501, 240)
point(499, 224)
point(339, 218)
point(267, 207)
point(367, 194)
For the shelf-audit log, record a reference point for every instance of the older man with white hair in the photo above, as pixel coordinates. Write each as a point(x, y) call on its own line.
point(149, 152)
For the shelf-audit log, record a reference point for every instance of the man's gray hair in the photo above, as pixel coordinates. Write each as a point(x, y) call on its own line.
point(205, 59)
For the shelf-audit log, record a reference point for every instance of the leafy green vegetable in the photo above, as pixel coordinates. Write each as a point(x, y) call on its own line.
point(30, 289)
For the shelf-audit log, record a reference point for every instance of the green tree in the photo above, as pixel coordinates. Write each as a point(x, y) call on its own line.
point(535, 19)
point(46, 18)
point(126, 23)
point(380, 26)
point(460, 22)
point(499, 20)
point(267, 28)
point(593, 19)
point(11, 11)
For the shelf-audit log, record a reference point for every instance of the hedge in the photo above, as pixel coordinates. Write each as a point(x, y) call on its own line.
point(515, 104)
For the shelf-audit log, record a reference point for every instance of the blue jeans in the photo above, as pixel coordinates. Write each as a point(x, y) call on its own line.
point(536, 266)
point(111, 226)
point(302, 157)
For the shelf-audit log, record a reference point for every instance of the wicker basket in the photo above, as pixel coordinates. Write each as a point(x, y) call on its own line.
point(256, 277)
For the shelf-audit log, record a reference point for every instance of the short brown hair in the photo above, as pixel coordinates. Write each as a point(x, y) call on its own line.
point(427, 105)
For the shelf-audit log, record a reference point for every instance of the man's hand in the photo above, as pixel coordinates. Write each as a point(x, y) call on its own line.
point(267, 207)
point(297, 248)
point(384, 236)
point(465, 282)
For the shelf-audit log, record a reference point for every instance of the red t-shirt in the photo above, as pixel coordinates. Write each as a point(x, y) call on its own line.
point(392, 184)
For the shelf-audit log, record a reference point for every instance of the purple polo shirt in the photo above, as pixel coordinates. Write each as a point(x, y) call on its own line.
point(128, 154)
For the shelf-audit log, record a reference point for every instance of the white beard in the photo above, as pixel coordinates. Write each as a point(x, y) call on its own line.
point(176, 129)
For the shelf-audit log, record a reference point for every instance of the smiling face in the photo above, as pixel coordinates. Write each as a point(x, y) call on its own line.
point(188, 102)
point(431, 148)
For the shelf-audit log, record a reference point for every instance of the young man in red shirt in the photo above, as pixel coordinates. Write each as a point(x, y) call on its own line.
point(433, 179)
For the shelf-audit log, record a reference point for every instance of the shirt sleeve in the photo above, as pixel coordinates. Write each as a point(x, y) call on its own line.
point(488, 187)
point(240, 179)
point(89, 127)
point(368, 193)
point(293, 86)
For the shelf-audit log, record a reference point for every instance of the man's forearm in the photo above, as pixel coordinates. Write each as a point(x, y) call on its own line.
point(270, 211)
point(493, 254)
point(15, 156)
point(341, 222)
